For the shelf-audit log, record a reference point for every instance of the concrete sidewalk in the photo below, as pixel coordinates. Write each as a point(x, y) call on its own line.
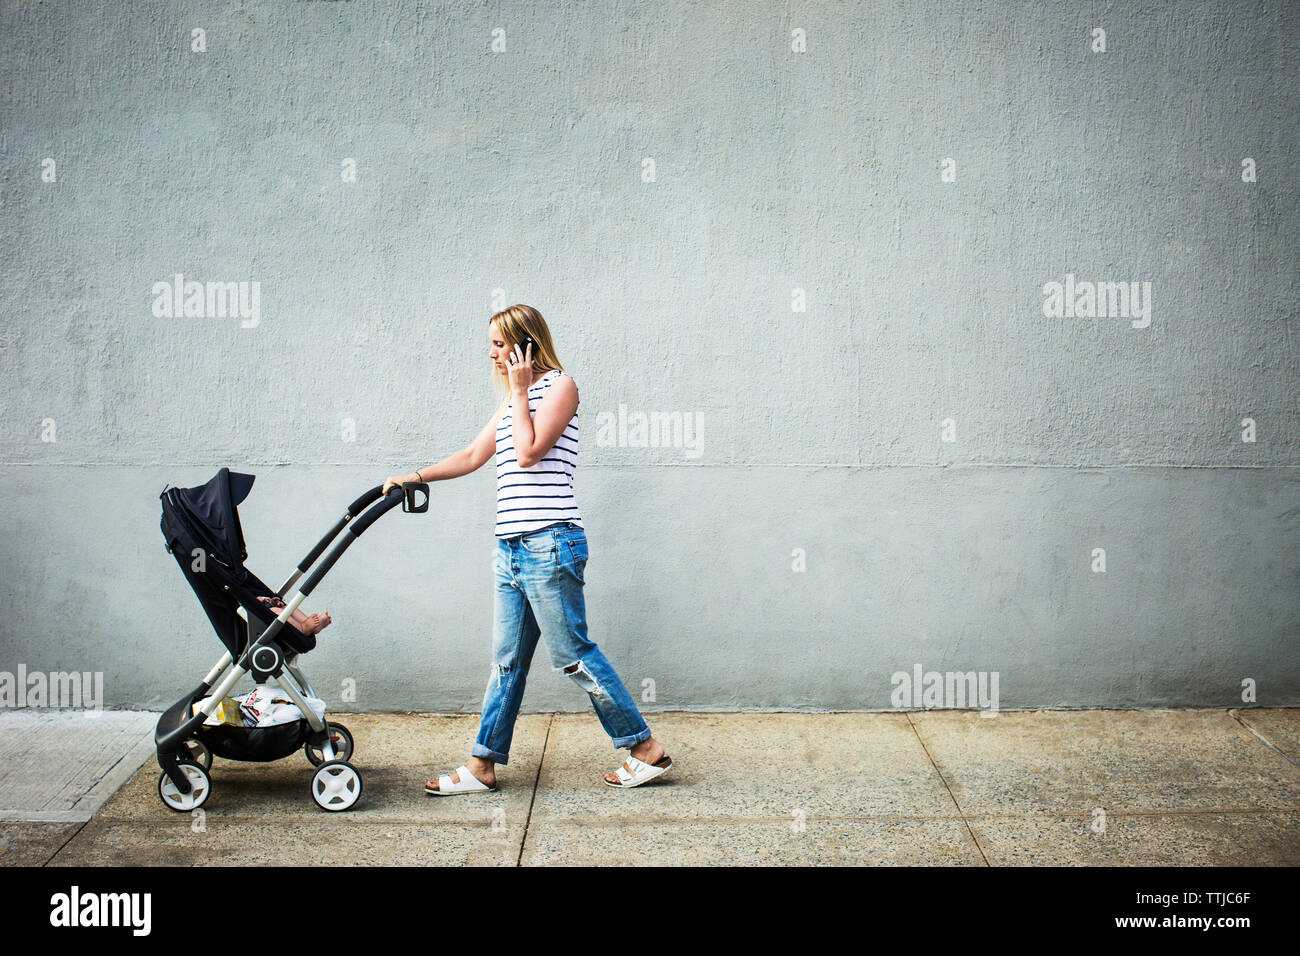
point(1154, 787)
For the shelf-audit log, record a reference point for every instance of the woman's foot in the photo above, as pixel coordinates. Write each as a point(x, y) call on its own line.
point(648, 751)
point(484, 772)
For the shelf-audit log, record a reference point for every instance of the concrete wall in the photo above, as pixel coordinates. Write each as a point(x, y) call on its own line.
point(902, 459)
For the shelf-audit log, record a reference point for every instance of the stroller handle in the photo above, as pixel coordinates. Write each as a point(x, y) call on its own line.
point(405, 495)
point(377, 492)
point(373, 494)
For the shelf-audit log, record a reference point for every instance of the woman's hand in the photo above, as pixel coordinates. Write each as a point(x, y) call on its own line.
point(392, 480)
point(521, 369)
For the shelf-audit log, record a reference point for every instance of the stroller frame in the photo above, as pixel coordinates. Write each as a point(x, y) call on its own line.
point(270, 655)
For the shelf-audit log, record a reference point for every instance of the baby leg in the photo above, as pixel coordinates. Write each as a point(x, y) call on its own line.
point(307, 624)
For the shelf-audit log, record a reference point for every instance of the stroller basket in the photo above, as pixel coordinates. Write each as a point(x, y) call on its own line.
point(257, 744)
point(202, 531)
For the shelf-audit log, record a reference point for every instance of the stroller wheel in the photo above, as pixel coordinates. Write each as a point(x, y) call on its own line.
point(340, 739)
point(200, 787)
point(199, 753)
point(336, 786)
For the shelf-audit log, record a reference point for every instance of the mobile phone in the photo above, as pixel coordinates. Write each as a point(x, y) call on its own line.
point(526, 341)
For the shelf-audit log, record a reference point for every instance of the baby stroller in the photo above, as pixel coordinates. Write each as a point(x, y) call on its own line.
point(202, 531)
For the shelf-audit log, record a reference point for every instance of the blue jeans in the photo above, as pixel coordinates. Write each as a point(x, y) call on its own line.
point(539, 579)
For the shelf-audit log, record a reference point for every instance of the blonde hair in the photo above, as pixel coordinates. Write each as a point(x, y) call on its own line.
point(515, 324)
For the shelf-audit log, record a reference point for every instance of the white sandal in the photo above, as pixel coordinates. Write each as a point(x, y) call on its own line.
point(635, 772)
point(468, 784)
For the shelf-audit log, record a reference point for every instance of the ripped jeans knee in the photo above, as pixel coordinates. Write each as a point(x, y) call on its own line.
point(609, 697)
point(587, 681)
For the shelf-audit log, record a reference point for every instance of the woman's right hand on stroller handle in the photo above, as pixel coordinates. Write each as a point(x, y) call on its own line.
point(394, 480)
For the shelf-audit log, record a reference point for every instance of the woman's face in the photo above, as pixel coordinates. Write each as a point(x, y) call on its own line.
point(497, 350)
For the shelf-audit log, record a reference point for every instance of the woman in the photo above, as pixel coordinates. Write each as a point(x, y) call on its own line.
point(541, 556)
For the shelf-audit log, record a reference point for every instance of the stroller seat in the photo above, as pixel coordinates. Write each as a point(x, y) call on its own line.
point(203, 533)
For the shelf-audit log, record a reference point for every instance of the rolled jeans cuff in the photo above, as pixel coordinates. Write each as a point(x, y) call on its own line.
point(629, 742)
point(478, 750)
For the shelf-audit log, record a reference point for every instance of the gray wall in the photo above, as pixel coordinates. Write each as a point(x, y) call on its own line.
point(486, 178)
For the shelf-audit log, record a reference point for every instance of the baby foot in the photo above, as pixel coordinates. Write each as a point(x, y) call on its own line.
point(315, 623)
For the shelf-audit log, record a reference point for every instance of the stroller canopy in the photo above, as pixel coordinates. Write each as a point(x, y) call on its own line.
point(206, 519)
point(215, 507)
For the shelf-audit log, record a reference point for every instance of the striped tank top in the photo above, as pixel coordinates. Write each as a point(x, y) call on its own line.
point(529, 499)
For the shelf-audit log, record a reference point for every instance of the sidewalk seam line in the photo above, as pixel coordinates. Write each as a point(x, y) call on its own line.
point(71, 836)
point(1232, 712)
point(519, 861)
point(965, 822)
point(105, 798)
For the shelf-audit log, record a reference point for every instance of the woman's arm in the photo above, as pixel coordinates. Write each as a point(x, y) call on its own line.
point(535, 437)
point(453, 466)
point(470, 458)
